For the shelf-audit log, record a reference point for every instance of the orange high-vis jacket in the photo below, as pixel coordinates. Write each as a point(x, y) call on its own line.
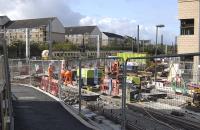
point(50, 72)
point(62, 74)
point(68, 77)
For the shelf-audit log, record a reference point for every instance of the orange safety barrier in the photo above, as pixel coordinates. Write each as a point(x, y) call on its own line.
point(105, 87)
point(54, 87)
point(44, 83)
point(49, 85)
point(115, 89)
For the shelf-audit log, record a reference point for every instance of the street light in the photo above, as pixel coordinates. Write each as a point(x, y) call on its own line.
point(157, 26)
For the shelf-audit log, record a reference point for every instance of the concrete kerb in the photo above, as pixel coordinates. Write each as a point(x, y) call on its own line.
point(65, 106)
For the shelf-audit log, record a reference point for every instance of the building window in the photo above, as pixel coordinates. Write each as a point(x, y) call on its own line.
point(187, 26)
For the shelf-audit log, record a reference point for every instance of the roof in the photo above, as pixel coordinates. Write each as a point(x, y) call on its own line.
point(79, 29)
point(4, 20)
point(29, 23)
point(113, 35)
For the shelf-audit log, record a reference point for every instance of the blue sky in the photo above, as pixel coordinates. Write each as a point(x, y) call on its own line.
point(146, 13)
point(117, 16)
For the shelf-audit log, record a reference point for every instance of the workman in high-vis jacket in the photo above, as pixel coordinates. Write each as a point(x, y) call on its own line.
point(68, 77)
point(50, 71)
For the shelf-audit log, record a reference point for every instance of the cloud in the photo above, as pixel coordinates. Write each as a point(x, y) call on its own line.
point(23, 9)
point(125, 26)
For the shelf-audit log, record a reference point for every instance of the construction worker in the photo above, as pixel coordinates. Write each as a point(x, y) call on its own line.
point(50, 71)
point(68, 77)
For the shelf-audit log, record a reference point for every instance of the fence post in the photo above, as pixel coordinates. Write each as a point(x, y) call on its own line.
point(29, 62)
point(59, 80)
point(80, 86)
point(124, 97)
point(11, 68)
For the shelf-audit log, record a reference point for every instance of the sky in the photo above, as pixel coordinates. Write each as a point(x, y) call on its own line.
point(116, 16)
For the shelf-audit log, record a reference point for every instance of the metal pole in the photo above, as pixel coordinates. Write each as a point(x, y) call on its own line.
point(50, 39)
point(175, 46)
point(138, 38)
point(59, 82)
point(166, 50)
point(80, 86)
point(27, 44)
point(155, 74)
point(156, 41)
point(161, 40)
point(143, 45)
point(124, 97)
point(98, 47)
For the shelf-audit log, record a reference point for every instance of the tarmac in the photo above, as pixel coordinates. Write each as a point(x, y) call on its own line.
point(34, 110)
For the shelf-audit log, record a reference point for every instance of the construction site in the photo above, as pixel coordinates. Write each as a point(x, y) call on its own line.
point(106, 90)
point(141, 91)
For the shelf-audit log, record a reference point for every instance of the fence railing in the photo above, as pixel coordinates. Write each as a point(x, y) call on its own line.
point(6, 111)
point(108, 85)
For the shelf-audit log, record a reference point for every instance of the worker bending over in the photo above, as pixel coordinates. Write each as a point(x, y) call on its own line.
point(68, 77)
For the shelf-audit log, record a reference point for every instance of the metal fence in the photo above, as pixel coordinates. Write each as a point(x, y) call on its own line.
point(6, 111)
point(168, 90)
point(157, 90)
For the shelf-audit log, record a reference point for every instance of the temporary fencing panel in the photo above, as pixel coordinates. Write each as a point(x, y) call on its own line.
point(6, 111)
point(54, 87)
point(166, 86)
point(162, 84)
point(44, 83)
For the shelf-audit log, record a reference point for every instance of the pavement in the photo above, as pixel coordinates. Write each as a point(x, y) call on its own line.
point(34, 110)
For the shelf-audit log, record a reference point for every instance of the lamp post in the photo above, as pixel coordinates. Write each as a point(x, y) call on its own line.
point(157, 26)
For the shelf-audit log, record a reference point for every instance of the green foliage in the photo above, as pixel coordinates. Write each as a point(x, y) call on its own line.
point(17, 48)
point(64, 47)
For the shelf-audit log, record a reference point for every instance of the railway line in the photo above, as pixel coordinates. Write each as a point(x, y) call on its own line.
point(136, 113)
point(110, 108)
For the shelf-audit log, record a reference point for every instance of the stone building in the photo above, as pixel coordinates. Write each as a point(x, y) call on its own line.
point(40, 29)
point(111, 39)
point(80, 35)
point(188, 40)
